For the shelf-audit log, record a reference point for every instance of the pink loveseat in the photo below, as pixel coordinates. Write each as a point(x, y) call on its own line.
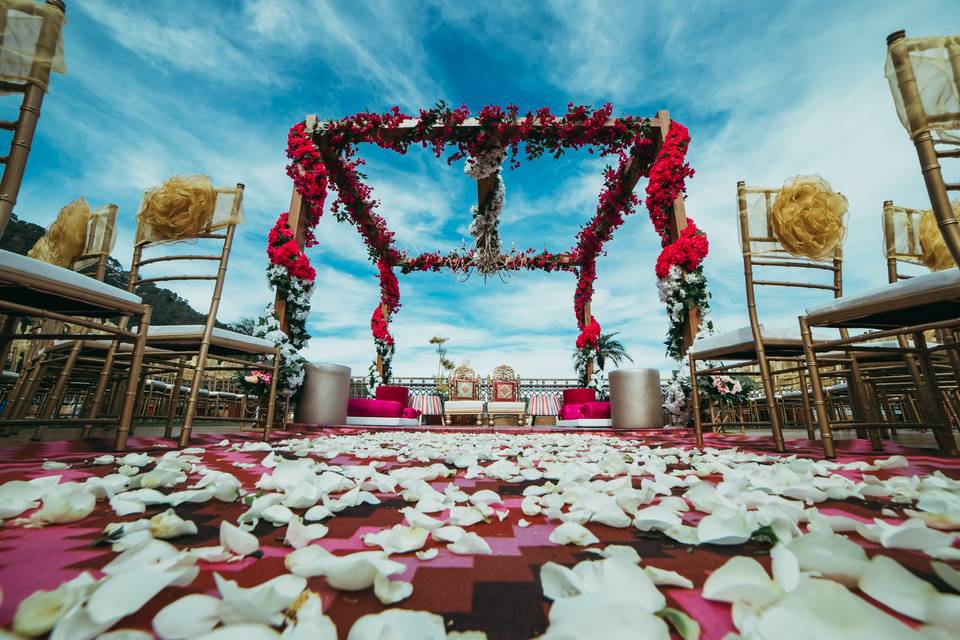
point(582, 403)
point(390, 402)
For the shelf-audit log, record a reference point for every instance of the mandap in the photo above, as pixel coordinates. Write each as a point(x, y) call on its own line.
point(325, 161)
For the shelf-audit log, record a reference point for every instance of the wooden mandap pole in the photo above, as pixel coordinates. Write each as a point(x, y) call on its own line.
point(296, 218)
point(677, 222)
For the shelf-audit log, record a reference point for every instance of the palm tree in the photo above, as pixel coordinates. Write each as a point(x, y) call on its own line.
point(609, 348)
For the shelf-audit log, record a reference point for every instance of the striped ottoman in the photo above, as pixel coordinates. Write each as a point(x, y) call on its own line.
point(544, 405)
point(427, 405)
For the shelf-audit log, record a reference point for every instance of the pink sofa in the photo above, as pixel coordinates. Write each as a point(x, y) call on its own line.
point(390, 402)
point(582, 403)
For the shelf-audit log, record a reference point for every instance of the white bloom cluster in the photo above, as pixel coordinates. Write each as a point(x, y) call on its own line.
point(599, 383)
point(291, 364)
point(486, 164)
point(487, 219)
point(676, 393)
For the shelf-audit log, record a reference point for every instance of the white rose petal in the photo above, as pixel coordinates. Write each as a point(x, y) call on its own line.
point(124, 593)
point(397, 539)
point(664, 578)
point(299, 535)
point(398, 624)
point(470, 543)
point(448, 534)
point(168, 525)
point(572, 533)
point(743, 580)
point(189, 617)
point(390, 592)
point(428, 554)
point(236, 540)
point(887, 582)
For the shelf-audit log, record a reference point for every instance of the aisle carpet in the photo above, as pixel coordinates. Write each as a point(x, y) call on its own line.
point(499, 593)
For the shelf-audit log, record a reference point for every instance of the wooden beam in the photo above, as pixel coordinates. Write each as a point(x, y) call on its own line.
point(587, 317)
point(406, 126)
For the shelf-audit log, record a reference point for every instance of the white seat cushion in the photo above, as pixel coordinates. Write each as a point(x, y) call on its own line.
point(463, 406)
point(190, 332)
point(945, 285)
point(20, 270)
point(743, 337)
point(506, 407)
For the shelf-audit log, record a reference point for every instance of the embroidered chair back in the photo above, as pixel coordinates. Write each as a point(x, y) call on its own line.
point(464, 384)
point(504, 384)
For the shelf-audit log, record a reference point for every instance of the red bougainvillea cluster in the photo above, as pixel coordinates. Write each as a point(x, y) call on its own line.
point(283, 251)
point(323, 155)
point(589, 336)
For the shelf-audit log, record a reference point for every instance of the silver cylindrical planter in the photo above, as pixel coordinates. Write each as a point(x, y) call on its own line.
point(323, 398)
point(635, 400)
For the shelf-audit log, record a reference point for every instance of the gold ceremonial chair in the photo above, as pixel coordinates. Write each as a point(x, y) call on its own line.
point(752, 350)
point(503, 396)
point(194, 348)
point(66, 304)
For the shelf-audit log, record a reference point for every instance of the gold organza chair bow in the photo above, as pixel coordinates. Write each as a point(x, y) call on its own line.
point(190, 209)
point(797, 229)
point(69, 306)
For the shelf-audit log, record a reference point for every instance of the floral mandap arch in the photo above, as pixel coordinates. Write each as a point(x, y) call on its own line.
point(324, 160)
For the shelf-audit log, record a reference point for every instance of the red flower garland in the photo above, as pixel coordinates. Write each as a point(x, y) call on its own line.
point(590, 335)
point(283, 251)
point(542, 132)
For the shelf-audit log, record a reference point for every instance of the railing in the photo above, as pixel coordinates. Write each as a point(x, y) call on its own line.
point(427, 386)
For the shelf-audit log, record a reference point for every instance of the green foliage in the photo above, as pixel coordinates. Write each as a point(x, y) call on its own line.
point(609, 348)
point(20, 235)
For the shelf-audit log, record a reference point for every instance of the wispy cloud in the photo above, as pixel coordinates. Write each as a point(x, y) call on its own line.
point(768, 90)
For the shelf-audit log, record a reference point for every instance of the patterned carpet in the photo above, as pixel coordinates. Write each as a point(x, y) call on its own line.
point(499, 593)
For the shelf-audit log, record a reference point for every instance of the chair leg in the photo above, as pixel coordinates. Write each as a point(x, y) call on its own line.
point(174, 397)
point(695, 403)
point(941, 424)
point(133, 383)
point(769, 391)
point(823, 422)
point(805, 399)
point(272, 396)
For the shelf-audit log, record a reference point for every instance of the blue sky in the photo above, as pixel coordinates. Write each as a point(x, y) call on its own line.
point(769, 90)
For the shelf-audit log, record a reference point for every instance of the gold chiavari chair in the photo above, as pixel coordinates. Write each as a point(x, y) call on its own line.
point(64, 356)
point(193, 348)
point(752, 350)
point(923, 75)
point(31, 46)
point(66, 304)
point(914, 246)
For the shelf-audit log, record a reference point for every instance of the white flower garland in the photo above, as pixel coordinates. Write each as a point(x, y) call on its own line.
point(486, 164)
point(486, 215)
point(291, 371)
